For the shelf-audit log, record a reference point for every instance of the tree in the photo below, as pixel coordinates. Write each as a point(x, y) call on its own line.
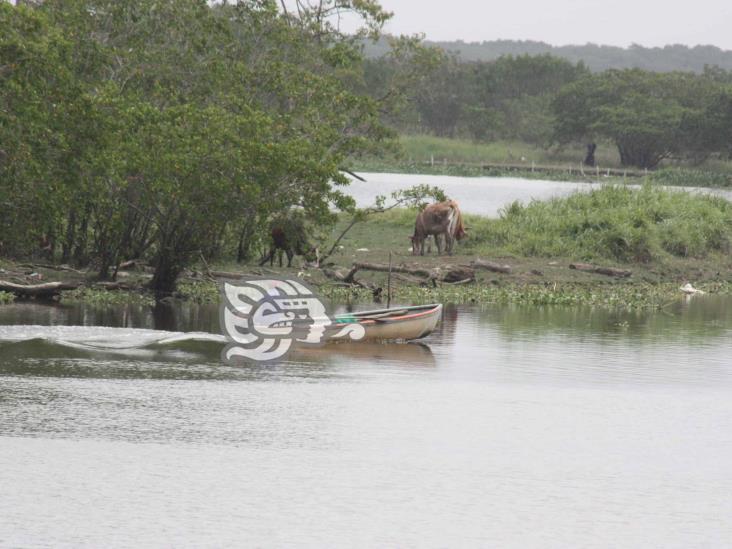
point(40, 106)
point(440, 102)
point(159, 128)
point(643, 113)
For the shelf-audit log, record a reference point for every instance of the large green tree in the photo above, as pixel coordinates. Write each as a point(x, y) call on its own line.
point(645, 114)
point(161, 128)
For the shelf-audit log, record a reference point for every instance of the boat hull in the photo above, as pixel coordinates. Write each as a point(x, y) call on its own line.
point(405, 324)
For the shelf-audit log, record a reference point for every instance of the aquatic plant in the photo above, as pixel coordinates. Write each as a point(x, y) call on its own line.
point(95, 296)
point(204, 291)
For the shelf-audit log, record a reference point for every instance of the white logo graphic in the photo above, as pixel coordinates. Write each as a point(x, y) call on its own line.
point(264, 318)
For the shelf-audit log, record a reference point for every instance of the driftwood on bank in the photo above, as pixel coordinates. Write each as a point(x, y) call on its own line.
point(36, 266)
point(490, 266)
point(48, 289)
point(607, 271)
point(348, 279)
point(227, 274)
point(449, 273)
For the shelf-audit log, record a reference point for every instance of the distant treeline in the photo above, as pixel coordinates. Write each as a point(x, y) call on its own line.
point(595, 57)
point(545, 100)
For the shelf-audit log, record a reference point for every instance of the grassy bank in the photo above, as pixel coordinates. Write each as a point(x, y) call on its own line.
point(460, 157)
point(664, 238)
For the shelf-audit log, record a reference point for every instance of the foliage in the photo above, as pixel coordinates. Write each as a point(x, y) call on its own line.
point(173, 130)
point(675, 57)
point(687, 177)
point(615, 223)
point(648, 116)
point(507, 98)
point(38, 101)
point(106, 297)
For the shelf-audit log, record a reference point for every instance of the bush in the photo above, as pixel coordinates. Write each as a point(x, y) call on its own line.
point(614, 222)
point(689, 177)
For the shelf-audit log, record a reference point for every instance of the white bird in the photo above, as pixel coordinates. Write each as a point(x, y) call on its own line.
point(689, 289)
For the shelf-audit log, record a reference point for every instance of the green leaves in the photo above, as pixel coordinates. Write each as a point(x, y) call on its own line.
point(648, 115)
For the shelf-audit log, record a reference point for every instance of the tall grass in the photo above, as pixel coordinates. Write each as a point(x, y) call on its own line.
point(420, 148)
point(454, 156)
point(613, 222)
point(687, 177)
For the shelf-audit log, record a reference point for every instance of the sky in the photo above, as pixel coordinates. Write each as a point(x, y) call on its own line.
point(561, 22)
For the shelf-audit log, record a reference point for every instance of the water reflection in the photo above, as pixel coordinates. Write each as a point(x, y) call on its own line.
point(693, 321)
point(610, 417)
point(686, 342)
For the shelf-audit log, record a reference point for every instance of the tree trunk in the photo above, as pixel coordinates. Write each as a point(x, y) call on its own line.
point(163, 283)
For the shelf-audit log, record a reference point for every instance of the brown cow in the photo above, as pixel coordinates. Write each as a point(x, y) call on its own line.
point(442, 218)
point(287, 235)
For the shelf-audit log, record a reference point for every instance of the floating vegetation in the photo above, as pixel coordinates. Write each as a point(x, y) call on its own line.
point(96, 296)
point(204, 291)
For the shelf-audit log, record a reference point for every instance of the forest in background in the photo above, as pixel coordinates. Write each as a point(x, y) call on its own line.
point(546, 101)
point(596, 57)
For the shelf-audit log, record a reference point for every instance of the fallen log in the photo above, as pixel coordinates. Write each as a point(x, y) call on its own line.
point(607, 271)
point(49, 289)
point(349, 279)
point(380, 267)
point(453, 274)
point(227, 274)
point(490, 266)
point(447, 273)
point(345, 278)
point(36, 266)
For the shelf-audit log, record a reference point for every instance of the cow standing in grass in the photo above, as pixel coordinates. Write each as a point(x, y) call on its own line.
point(288, 236)
point(442, 218)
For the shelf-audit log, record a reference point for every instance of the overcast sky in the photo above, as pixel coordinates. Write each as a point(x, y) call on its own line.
point(559, 22)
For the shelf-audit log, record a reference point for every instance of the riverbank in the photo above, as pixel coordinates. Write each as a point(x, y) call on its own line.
point(530, 282)
point(613, 246)
point(429, 155)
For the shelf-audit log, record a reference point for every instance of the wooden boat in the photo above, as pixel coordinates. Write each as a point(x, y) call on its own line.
point(399, 323)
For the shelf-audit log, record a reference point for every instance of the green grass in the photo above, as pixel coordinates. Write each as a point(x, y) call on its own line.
point(462, 157)
point(421, 148)
point(6, 297)
point(628, 295)
point(95, 296)
point(687, 177)
point(614, 222)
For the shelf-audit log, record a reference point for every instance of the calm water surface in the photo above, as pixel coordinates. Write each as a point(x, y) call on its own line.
point(509, 427)
point(481, 195)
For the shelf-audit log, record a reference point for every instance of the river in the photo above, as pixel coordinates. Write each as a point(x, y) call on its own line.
point(482, 195)
point(508, 427)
